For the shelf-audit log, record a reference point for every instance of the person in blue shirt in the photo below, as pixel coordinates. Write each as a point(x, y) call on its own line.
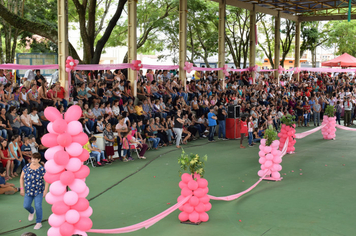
point(212, 124)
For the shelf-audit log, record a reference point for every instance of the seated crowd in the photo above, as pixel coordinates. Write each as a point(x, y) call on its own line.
point(146, 121)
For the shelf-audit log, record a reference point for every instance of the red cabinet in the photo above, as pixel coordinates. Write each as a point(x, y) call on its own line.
point(232, 128)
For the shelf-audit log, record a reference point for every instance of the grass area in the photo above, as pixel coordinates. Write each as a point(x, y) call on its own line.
point(318, 202)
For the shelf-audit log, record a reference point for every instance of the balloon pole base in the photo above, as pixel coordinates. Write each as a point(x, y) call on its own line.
point(188, 222)
point(273, 179)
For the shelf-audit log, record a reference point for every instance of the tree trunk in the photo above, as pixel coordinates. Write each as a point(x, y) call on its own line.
point(313, 52)
point(1, 51)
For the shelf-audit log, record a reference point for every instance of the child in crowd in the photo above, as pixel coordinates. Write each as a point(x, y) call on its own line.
point(95, 151)
point(34, 188)
point(26, 150)
point(243, 130)
point(91, 115)
point(109, 142)
point(126, 146)
point(6, 188)
point(305, 118)
point(250, 126)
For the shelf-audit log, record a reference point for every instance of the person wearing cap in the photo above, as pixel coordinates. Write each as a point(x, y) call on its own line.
point(212, 124)
point(348, 108)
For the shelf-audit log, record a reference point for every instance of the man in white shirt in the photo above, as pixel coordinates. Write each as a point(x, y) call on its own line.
point(348, 108)
point(29, 75)
point(3, 79)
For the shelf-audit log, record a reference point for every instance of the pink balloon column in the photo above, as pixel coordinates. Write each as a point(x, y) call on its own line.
point(328, 131)
point(64, 168)
point(287, 132)
point(197, 206)
point(270, 159)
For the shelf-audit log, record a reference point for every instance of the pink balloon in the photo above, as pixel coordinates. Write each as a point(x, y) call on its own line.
point(49, 140)
point(262, 160)
point(84, 224)
point(182, 185)
point(186, 178)
point(72, 216)
point(292, 149)
point(200, 208)
point(55, 220)
point(78, 186)
point(74, 149)
point(204, 217)
point(267, 149)
point(50, 128)
point(82, 173)
point(52, 114)
point(206, 190)
point(59, 126)
point(204, 199)
point(60, 208)
point(275, 144)
point(53, 231)
point(67, 177)
point(64, 139)
point(180, 198)
point(279, 135)
point(194, 217)
point(263, 142)
point(199, 193)
point(277, 160)
point(51, 199)
point(194, 201)
point(50, 178)
point(81, 205)
point(70, 198)
point(263, 167)
point(262, 148)
point(66, 229)
point(188, 208)
point(73, 113)
point(74, 128)
point(83, 156)
point(202, 183)
point(268, 164)
point(52, 167)
point(57, 188)
point(74, 164)
point(269, 157)
point(81, 138)
point(79, 232)
point(193, 185)
point(87, 213)
point(84, 194)
point(49, 154)
point(261, 173)
point(183, 216)
point(207, 206)
point(61, 158)
point(186, 192)
point(276, 175)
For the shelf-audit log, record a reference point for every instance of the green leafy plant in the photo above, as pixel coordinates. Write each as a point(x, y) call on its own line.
point(288, 120)
point(330, 111)
point(192, 162)
point(270, 136)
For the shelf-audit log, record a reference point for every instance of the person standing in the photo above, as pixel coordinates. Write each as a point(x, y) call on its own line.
point(33, 187)
point(212, 124)
point(317, 110)
point(178, 127)
point(347, 115)
point(222, 121)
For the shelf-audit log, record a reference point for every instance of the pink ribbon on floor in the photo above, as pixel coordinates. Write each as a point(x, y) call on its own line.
point(145, 224)
point(344, 128)
point(306, 133)
point(285, 147)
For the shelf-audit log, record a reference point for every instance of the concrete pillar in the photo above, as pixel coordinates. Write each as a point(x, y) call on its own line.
point(62, 11)
point(297, 46)
point(132, 42)
point(252, 59)
point(277, 43)
point(221, 42)
point(182, 40)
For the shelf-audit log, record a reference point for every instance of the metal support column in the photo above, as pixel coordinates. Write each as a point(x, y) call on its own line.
point(277, 43)
point(62, 11)
point(182, 40)
point(221, 42)
point(297, 47)
point(252, 59)
point(132, 42)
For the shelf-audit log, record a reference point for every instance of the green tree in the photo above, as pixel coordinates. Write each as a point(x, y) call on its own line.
point(267, 46)
point(288, 33)
point(342, 35)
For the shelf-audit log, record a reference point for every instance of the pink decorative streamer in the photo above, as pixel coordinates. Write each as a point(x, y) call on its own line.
point(306, 133)
point(28, 67)
point(344, 128)
point(145, 224)
point(285, 147)
point(160, 67)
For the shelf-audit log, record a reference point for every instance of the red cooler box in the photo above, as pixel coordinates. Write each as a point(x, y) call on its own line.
point(232, 128)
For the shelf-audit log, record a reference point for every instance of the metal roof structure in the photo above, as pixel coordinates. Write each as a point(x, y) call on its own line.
point(300, 10)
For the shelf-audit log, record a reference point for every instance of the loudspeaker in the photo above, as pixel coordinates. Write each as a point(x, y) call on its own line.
point(233, 111)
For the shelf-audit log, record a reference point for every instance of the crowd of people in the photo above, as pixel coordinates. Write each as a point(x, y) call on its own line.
point(164, 112)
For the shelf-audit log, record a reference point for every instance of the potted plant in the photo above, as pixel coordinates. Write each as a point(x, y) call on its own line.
point(329, 120)
point(194, 189)
point(287, 132)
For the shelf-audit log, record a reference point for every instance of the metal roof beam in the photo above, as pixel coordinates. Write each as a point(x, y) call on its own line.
point(323, 18)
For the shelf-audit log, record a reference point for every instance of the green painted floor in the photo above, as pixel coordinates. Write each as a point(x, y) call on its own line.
point(321, 201)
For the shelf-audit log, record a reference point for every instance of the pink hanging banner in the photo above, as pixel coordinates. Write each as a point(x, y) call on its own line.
point(267, 70)
point(206, 69)
point(160, 67)
point(145, 224)
point(306, 133)
point(28, 67)
point(103, 66)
